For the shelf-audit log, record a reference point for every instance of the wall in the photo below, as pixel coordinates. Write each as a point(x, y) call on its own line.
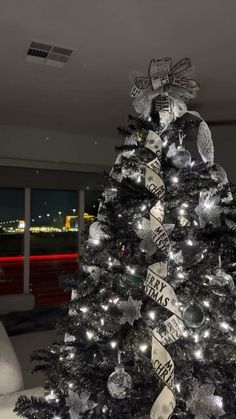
point(28, 147)
point(35, 148)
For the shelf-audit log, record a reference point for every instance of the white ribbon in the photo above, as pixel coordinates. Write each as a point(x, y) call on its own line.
point(157, 287)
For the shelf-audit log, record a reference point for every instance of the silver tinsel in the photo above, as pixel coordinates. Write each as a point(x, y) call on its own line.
point(203, 404)
point(79, 404)
point(131, 310)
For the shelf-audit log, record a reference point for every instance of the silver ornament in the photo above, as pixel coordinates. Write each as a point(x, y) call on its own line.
point(119, 383)
point(131, 310)
point(205, 144)
point(203, 404)
point(193, 316)
point(182, 158)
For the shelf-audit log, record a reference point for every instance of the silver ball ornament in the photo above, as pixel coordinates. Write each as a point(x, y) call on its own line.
point(182, 158)
point(119, 383)
point(193, 316)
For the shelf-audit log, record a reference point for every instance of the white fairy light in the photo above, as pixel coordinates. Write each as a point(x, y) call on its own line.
point(96, 241)
point(206, 334)
point(181, 211)
point(71, 385)
point(84, 309)
point(177, 386)
point(185, 204)
point(192, 163)
point(206, 303)
point(195, 223)
point(113, 344)
point(189, 242)
point(198, 354)
point(102, 322)
point(149, 118)
point(143, 347)
point(61, 358)
point(152, 315)
point(56, 417)
point(180, 275)
point(224, 325)
point(104, 307)
point(175, 179)
point(72, 355)
point(138, 179)
point(185, 333)
point(164, 144)
point(143, 207)
point(89, 334)
point(196, 337)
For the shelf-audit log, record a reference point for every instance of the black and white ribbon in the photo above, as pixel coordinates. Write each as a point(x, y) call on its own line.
point(157, 287)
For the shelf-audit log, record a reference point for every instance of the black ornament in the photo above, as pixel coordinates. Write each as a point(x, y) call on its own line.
point(193, 316)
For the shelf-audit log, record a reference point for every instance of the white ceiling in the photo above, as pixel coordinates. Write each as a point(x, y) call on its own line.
point(111, 38)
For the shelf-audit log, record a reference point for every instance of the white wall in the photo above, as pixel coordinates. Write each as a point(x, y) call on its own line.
point(28, 147)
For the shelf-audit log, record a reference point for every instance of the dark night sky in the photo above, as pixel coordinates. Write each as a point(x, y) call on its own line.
point(43, 202)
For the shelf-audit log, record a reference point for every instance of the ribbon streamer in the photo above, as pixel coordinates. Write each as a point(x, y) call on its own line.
point(157, 287)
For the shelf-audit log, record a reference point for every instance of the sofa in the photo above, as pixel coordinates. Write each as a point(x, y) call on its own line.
point(15, 368)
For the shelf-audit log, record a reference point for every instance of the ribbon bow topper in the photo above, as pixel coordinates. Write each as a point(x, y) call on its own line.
point(162, 74)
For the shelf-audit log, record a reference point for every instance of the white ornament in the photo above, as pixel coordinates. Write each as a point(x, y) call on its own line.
point(203, 404)
point(79, 404)
point(131, 310)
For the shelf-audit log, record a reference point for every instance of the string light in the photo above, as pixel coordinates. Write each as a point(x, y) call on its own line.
point(224, 325)
point(175, 179)
point(180, 275)
point(206, 334)
point(196, 337)
point(119, 215)
point(189, 242)
point(164, 144)
point(152, 315)
point(72, 355)
point(104, 307)
point(143, 347)
point(89, 334)
point(177, 386)
point(102, 322)
point(143, 207)
point(181, 211)
point(138, 179)
point(84, 309)
point(206, 303)
point(96, 241)
point(113, 344)
point(198, 354)
point(71, 385)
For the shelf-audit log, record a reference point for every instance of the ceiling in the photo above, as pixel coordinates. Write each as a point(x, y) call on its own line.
point(110, 38)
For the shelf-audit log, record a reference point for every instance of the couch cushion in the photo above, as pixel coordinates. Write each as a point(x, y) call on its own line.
point(11, 377)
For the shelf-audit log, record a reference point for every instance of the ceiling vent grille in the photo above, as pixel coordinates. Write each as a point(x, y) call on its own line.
point(46, 54)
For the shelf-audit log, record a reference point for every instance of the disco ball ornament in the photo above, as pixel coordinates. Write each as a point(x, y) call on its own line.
point(193, 316)
point(182, 158)
point(119, 383)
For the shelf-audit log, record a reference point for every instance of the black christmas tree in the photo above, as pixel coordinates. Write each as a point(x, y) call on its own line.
point(150, 331)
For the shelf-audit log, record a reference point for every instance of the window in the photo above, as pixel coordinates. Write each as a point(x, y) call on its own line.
point(53, 242)
point(11, 240)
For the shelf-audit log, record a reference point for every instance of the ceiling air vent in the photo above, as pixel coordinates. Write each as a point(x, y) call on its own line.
point(46, 54)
